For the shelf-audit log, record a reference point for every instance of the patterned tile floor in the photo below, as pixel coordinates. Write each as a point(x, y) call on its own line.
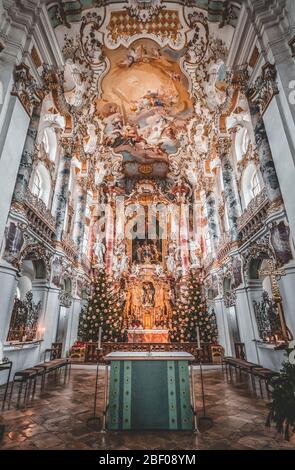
point(57, 420)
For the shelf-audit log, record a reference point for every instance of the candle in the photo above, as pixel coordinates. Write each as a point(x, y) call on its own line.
point(99, 337)
point(198, 338)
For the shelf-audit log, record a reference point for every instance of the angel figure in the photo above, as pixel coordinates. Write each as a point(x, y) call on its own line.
point(124, 263)
point(135, 270)
point(193, 248)
point(158, 270)
point(170, 261)
point(99, 251)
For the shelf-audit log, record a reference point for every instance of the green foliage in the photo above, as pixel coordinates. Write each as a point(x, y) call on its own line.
point(104, 308)
point(191, 312)
point(282, 407)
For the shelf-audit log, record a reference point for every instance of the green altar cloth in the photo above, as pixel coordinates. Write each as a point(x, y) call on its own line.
point(149, 391)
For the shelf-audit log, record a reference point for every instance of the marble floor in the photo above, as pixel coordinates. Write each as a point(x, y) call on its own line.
point(58, 420)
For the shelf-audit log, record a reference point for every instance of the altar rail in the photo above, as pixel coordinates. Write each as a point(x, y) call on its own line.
point(88, 352)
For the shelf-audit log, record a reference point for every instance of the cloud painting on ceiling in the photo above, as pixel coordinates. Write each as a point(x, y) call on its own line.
point(145, 104)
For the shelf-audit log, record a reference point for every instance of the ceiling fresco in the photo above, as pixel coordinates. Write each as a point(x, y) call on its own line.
point(144, 83)
point(145, 104)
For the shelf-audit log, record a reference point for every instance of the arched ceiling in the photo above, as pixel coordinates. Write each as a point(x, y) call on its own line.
point(146, 83)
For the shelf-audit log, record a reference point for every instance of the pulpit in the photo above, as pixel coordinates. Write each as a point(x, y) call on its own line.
point(149, 391)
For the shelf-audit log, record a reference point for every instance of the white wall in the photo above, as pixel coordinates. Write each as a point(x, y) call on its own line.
point(12, 139)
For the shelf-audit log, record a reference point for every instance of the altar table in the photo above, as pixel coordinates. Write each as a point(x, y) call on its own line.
point(149, 391)
point(141, 335)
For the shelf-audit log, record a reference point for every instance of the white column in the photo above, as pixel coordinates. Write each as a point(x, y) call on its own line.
point(222, 325)
point(109, 237)
point(73, 323)
point(246, 318)
point(287, 291)
point(283, 152)
point(8, 284)
point(12, 139)
point(26, 164)
point(212, 216)
point(230, 195)
point(120, 218)
point(184, 236)
point(48, 295)
point(174, 221)
point(62, 185)
point(79, 221)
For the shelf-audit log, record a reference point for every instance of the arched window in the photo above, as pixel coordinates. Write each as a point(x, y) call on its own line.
point(37, 188)
point(242, 142)
point(255, 184)
point(208, 242)
point(49, 142)
point(41, 184)
point(251, 184)
point(85, 240)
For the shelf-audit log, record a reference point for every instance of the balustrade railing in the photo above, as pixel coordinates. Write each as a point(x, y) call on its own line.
point(69, 246)
point(253, 217)
point(224, 245)
point(39, 216)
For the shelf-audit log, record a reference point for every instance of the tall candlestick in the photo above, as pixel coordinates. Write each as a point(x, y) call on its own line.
point(99, 337)
point(198, 338)
point(1, 352)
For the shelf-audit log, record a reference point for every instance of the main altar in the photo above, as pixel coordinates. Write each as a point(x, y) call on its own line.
point(145, 253)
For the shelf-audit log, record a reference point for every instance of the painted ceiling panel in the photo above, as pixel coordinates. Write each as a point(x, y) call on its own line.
point(71, 11)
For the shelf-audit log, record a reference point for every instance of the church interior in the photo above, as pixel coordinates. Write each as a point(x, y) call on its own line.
point(147, 224)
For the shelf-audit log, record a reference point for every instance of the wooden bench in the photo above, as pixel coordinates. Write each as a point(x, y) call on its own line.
point(264, 375)
point(253, 370)
point(27, 378)
point(240, 365)
point(54, 366)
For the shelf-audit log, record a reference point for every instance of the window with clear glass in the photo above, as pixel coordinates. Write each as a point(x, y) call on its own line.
point(208, 242)
point(255, 185)
point(37, 186)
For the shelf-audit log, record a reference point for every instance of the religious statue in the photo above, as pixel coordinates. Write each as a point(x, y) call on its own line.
point(146, 252)
point(172, 245)
point(124, 263)
point(135, 270)
point(170, 261)
point(139, 253)
point(193, 250)
point(99, 251)
point(158, 270)
point(154, 253)
point(148, 298)
point(115, 262)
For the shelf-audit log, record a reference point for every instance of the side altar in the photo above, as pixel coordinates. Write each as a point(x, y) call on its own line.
point(149, 391)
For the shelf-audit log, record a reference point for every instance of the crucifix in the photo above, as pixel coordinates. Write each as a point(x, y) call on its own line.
point(275, 274)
